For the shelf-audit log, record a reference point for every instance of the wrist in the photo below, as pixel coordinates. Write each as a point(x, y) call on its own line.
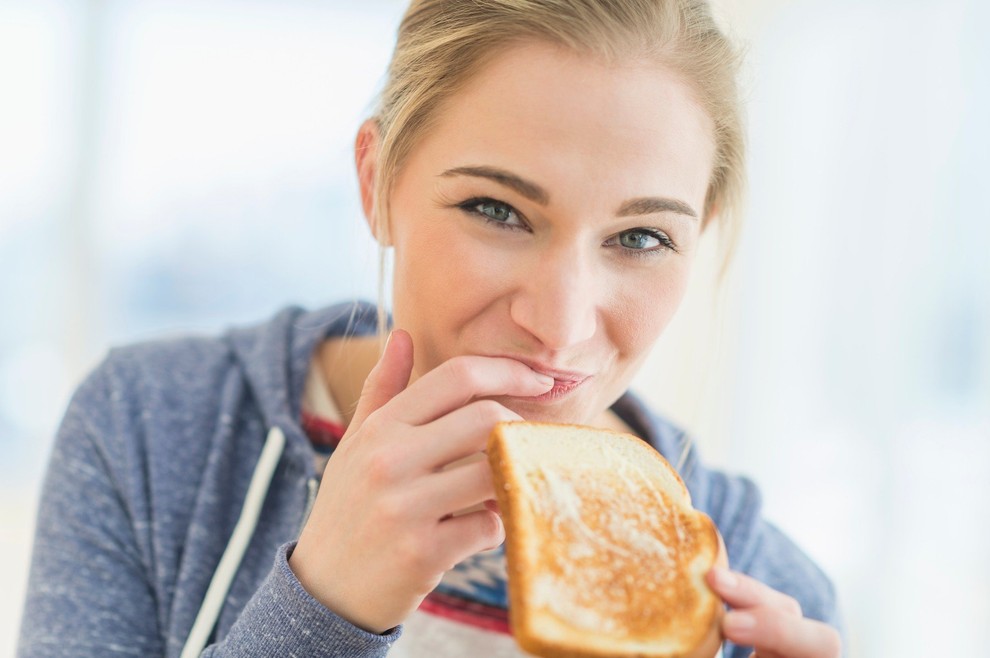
point(307, 572)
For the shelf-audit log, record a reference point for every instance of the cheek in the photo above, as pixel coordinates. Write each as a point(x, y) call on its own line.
point(641, 310)
point(441, 278)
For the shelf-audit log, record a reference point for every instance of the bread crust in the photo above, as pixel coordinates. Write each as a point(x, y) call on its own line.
point(682, 606)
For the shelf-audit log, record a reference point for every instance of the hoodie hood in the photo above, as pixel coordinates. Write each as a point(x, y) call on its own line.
point(276, 356)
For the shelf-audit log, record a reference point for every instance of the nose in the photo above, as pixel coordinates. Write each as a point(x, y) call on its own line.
point(557, 299)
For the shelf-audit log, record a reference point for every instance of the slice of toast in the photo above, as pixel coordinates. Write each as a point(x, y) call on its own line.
point(605, 555)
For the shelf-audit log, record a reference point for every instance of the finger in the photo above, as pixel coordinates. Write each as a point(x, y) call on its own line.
point(773, 633)
point(461, 379)
point(461, 433)
point(741, 591)
point(461, 536)
point(459, 488)
point(388, 378)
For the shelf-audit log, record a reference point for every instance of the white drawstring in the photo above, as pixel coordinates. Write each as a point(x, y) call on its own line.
point(216, 594)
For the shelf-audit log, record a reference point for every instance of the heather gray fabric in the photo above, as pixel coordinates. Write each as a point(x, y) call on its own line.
point(149, 472)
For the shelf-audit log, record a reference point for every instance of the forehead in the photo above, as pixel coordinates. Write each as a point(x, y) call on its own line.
point(564, 118)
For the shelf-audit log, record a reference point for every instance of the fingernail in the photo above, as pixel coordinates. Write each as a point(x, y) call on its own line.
point(738, 621)
point(388, 339)
point(546, 380)
point(724, 578)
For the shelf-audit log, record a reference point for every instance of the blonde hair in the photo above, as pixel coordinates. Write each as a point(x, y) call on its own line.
point(442, 43)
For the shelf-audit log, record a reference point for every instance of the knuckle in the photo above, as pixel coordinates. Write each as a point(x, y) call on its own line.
point(489, 412)
point(792, 607)
point(462, 373)
point(832, 643)
point(382, 468)
point(482, 479)
point(391, 510)
point(784, 633)
point(412, 553)
point(374, 424)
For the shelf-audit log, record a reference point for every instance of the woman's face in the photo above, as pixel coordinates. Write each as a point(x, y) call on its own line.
point(552, 215)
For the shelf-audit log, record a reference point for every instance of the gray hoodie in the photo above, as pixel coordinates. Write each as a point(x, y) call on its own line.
point(148, 478)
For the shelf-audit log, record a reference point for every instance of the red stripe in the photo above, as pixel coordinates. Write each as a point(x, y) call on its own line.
point(322, 432)
point(472, 613)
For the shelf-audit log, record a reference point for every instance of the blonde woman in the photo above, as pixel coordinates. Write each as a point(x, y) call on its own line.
point(542, 170)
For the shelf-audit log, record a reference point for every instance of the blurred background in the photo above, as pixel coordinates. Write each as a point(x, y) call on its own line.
point(176, 166)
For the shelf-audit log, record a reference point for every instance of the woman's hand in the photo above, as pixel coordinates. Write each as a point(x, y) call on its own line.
point(381, 533)
point(770, 621)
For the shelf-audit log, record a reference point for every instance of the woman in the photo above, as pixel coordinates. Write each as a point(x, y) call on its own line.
point(543, 172)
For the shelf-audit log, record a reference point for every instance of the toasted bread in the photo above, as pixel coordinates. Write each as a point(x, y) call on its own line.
point(605, 555)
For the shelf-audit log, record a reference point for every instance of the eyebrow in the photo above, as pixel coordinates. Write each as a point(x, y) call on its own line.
point(535, 193)
point(531, 191)
point(650, 205)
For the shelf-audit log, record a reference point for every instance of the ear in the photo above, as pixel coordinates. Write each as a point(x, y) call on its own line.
point(366, 160)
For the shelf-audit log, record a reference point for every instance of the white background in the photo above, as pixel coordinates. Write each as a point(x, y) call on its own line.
point(182, 166)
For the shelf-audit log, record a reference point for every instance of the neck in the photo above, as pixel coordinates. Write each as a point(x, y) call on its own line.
point(345, 364)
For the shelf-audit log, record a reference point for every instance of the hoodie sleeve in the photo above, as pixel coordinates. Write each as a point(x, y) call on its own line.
point(88, 590)
point(94, 586)
point(283, 619)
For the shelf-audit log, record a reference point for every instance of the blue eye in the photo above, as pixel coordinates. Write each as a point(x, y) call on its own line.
point(494, 212)
point(638, 240)
point(642, 241)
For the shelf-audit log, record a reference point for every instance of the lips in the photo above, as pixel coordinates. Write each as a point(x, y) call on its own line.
point(560, 389)
point(564, 381)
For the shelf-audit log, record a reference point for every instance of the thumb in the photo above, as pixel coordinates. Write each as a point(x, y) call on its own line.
point(388, 378)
